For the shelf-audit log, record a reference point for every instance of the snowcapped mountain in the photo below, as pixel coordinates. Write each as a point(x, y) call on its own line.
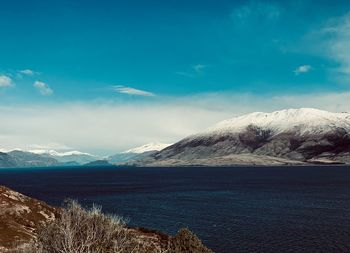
point(290, 136)
point(153, 146)
point(67, 156)
point(304, 121)
point(56, 153)
point(137, 153)
point(19, 158)
point(42, 158)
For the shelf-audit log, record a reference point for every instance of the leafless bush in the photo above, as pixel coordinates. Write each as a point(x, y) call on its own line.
point(24, 248)
point(90, 231)
point(82, 231)
point(87, 231)
point(186, 241)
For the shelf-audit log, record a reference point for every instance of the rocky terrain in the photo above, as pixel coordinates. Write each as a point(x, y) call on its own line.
point(21, 218)
point(288, 137)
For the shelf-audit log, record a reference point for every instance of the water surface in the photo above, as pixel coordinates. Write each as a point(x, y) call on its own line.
point(240, 209)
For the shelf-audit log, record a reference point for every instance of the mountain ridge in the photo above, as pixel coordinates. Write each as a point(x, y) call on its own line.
point(293, 136)
point(137, 152)
point(286, 120)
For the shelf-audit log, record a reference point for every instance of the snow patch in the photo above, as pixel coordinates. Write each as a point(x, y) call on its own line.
point(56, 153)
point(154, 146)
point(304, 120)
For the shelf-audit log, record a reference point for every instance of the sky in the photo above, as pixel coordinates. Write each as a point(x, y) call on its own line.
point(105, 76)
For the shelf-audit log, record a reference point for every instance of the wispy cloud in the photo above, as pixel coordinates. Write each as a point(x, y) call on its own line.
point(132, 91)
point(43, 88)
point(185, 74)
point(199, 68)
point(302, 69)
point(195, 71)
point(256, 10)
point(5, 81)
point(336, 35)
point(27, 72)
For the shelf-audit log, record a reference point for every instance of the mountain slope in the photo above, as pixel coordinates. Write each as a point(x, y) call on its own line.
point(137, 153)
point(67, 157)
point(7, 161)
point(153, 146)
point(98, 163)
point(293, 136)
point(28, 159)
point(20, 216)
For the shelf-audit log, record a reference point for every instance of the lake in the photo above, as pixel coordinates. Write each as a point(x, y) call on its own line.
point(239, 209)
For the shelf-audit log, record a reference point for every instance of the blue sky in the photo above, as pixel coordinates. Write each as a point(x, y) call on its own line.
point(98, 53)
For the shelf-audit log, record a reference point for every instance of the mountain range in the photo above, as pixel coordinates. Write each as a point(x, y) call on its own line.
point(68, 157)
point(286, 137)
point(293, 136)
point(47, 158)
point(43, 158)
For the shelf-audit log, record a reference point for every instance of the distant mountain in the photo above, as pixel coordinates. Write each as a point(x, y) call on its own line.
point(7, 161)
point(28, 159)
point(44, 158)
point(137, 153)
point(18, 158)
point(69, 157)
point(99, 163)
point(121, 157)
point(293, 136)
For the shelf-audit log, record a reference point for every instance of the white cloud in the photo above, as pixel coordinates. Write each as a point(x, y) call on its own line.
point(27, 72)
point(195, 71)
point(43, 88)
point(257, 11)
point(335, 42)
point(302, 69)
point(109, 128)
point(132, 91)
point(199, 67)
point(100, 129)
point(5, 81)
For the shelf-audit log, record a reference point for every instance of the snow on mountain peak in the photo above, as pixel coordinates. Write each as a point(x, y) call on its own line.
point(154, 146)
point(56, 153)
point(304, 120)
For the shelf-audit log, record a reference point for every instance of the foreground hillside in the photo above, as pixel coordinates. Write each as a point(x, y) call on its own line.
point(31, 226)
point(288, 137)
point(20, 217)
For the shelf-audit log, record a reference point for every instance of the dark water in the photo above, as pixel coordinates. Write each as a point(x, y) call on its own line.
point(276, 209)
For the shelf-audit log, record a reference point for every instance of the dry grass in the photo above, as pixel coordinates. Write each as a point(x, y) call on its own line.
point(90, 231)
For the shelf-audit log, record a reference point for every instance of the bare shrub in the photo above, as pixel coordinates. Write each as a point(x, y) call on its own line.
point(78, 230)
point(82, 231)
point(25, 248)
point(186, 241)
point(86, 231)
